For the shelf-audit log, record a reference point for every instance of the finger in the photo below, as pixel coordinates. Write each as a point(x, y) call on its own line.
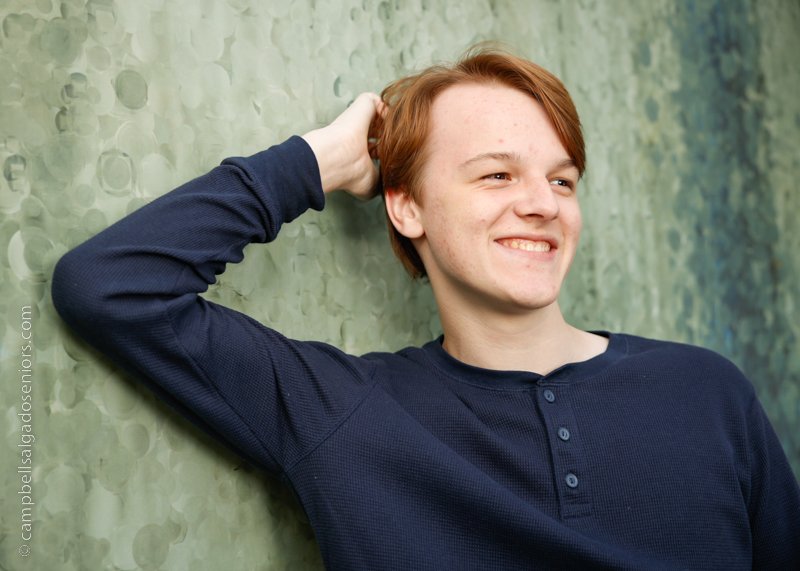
point(363, 109)
point(372, 148)
point(376, 127)
point(382, 108)
point(371, 96)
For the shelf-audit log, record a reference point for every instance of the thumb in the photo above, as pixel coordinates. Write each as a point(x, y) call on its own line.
point(361, 112)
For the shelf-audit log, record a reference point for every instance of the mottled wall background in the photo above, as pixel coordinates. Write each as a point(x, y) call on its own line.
point(692, 116)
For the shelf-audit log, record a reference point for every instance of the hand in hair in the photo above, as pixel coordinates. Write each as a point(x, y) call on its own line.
point(344, 150)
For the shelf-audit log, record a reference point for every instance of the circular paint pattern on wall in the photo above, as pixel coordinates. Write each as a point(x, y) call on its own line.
point(115, 172)
point(131, 89)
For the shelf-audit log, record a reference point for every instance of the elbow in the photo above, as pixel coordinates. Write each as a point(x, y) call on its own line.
point(71, 291)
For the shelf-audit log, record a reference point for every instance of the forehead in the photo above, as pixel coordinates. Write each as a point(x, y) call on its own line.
point(472, 118)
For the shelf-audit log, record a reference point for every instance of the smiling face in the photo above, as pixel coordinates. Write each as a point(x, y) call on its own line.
point(497, 221)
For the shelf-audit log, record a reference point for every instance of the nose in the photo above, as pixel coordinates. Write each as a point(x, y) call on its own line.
point(536, 199)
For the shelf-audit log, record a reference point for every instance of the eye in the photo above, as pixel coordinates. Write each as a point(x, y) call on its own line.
point(498, 176)
point(563, 182)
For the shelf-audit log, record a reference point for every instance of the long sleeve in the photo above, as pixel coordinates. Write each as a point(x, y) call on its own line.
point(774, 497)
point(132, 292)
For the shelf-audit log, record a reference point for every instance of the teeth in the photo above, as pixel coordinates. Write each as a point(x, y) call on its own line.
point(527, 245)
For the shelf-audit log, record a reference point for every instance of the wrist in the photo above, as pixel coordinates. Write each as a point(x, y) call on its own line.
point(332, 169)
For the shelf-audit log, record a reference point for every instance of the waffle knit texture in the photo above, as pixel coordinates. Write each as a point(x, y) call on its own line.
point(652, 455)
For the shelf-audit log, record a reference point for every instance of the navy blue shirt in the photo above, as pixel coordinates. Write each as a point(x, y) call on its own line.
point(652, 455)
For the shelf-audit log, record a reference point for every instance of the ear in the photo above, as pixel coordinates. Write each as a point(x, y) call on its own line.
point(404, 212)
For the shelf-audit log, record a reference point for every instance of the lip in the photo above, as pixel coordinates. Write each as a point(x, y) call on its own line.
point(529, 256)
point(531, 238)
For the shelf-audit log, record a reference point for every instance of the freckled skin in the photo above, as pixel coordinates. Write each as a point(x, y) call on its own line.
point(497, 224)
point(462, 214)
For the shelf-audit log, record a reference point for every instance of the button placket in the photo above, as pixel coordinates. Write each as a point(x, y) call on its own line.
point(568, 455)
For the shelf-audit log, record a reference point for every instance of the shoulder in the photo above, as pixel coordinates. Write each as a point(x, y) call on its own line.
point(680, 354)
point(402, 359)
point(683, 363)
point(316, 352)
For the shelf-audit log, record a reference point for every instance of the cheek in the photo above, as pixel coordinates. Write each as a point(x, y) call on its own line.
point(572, 218)
point(452, 240)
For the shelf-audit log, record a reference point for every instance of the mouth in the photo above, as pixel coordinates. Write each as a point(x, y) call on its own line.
point(526, 245)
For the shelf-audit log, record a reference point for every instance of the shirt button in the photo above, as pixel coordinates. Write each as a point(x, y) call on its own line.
point(549, 396)
point(571, 480)
point(563, 434)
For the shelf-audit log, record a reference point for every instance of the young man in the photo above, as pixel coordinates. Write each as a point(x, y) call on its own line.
point(515, 441)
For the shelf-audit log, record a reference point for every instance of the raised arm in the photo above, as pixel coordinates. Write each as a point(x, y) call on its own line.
point(132, 292)
point(344, 151)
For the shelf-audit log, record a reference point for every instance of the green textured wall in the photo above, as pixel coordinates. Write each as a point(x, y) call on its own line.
point(693, 124)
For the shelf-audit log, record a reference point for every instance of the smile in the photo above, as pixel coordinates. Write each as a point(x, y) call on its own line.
point(526, 245)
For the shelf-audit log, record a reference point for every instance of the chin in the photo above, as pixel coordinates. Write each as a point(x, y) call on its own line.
point(532, 301)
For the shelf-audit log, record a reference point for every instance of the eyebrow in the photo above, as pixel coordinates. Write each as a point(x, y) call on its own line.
point(498, 156)
point(515, 158)
point(567, 163)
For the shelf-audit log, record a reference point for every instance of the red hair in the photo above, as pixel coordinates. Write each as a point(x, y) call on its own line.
point(403, 132)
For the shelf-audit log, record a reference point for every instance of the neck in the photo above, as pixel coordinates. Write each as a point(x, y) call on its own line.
point(538, 341)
